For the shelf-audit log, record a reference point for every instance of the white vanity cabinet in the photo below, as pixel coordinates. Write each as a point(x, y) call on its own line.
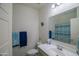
point(5, 29)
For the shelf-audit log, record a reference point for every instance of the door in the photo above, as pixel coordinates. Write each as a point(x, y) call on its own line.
point(3, 37)
point(5, 29)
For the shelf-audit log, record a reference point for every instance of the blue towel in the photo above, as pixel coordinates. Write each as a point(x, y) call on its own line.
point(23, 39)
point(15, 38)
point(50, 34)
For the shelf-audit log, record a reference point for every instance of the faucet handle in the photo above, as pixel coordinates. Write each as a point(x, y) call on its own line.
point(59, 47)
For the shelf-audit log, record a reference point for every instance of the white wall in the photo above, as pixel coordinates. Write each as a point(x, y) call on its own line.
point(26, 19)
point(10, 9)
point(52, 24)
point(43, 30)
point(74, 30)
point(78, 12)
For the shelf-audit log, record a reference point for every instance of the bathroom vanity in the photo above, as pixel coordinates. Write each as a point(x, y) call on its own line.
point(56, 50)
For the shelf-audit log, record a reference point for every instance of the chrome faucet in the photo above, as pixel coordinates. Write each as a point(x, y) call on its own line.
point(59, 47)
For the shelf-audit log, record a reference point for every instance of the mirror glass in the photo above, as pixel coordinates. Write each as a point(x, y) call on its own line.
point(60, 26)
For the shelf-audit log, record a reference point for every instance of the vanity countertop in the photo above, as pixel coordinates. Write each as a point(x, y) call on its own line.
point(51, 50)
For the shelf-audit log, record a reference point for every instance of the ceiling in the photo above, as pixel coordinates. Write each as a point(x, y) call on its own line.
point(35, 5)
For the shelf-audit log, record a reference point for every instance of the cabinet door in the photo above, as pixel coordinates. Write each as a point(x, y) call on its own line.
point(3, 35)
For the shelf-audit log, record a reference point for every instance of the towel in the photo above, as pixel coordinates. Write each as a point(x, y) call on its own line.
point(23, 39)
point(15, 38)
point(50, 34)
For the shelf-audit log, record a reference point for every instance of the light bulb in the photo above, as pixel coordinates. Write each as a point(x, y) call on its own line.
point(53, 5)
point(58, 4)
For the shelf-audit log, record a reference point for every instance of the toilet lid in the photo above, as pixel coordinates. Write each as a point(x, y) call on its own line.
point(32, 51)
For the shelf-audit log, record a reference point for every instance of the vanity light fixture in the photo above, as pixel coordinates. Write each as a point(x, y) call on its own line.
point(58, 4)
point(54, 5)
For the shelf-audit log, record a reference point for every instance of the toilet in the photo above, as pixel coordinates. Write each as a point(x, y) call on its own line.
point(32, 52)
